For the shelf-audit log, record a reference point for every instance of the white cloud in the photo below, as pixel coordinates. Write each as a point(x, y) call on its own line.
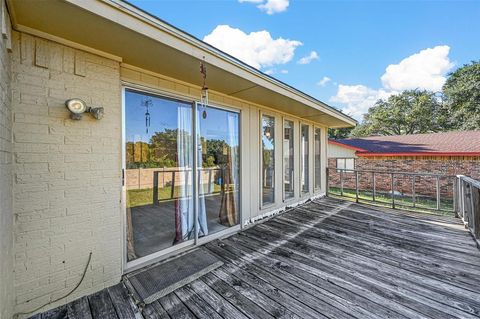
point(425, 70)
point(257, 49)
point(309, 58)
point(270, 6)
point(274, 6)
point(270, 71)
point(358, 98)
point(324, 81)
point(284, 71)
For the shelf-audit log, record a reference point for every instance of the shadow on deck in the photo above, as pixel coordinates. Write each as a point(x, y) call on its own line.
point(325, 259)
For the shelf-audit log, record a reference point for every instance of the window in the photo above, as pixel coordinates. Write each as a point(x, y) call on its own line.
point(288, 160)
point(318, 159)
point(304, 148)
point(160, 143)
point(268, 159)
point(345, 163)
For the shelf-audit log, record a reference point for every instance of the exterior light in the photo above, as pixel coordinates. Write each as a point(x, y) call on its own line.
point(77, 107)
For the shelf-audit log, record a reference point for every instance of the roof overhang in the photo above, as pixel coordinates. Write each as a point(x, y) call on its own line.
point(121, 30)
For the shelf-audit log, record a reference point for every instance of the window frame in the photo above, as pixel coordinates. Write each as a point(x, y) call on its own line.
point(315, 188)
point(284, 119)
point(301, 156)
point(273, 203)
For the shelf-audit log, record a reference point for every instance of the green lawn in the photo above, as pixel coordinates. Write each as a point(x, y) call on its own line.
point(422, 204)
point(140, 197)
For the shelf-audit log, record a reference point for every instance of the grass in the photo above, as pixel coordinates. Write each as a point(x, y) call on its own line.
point(422, 204)
point(140, 197)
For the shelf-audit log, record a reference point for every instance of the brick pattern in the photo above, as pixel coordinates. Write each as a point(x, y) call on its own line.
point(6, 197)
point(425, 186)
point(67, 174)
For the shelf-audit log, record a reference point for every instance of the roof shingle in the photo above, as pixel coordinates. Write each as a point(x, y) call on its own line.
point(446, 143)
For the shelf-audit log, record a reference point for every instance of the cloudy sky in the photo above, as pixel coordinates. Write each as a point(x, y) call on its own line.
point(346, 53)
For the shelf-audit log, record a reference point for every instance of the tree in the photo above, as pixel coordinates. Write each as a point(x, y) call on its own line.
point(338, 133)
point(462, 97)
point(410, 112)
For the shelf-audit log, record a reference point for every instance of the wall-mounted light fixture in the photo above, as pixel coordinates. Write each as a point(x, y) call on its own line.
point(77, 107)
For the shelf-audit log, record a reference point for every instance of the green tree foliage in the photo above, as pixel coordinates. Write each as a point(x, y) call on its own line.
point(457, 107)
point(410, 112)
point(462, 97)
point(338, 133)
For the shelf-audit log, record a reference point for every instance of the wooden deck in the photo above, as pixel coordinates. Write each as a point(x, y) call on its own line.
point(326, 259)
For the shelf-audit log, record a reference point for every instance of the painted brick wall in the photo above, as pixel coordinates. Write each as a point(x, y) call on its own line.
point(6, 215)
point(423, 185)
point(67, 181)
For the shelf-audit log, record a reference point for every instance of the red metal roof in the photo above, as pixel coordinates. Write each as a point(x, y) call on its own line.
point(466, 143)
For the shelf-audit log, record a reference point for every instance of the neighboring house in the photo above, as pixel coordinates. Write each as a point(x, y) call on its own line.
point(448, 154)
point(126, 187)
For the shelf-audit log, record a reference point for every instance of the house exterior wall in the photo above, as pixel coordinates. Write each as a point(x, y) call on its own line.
point(67, 176)
point(426, 186)
point(336, 151)
point(251, 208)
point(6, 168)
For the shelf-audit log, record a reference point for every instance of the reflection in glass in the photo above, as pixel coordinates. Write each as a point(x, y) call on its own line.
point(304, 159)
point(268, 159)
point(219, 167)
point(317, 162)
point(288, 157)
point(158, 176)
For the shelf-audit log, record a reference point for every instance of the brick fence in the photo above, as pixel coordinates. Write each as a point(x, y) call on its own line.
point(424, 185)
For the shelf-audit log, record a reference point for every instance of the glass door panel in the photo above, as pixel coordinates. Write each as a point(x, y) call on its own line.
point(158, 173)
point(318, 159)
point(218, 169)
point(268, 160)
point(288, 158)
point(304, 147)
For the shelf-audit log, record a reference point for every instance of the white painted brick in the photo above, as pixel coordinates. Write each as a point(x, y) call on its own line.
point(67, 173)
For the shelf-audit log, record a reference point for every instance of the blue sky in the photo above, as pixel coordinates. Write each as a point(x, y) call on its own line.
point(354, 42)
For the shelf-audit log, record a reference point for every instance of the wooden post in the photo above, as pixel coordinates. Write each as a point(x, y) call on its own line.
point(414, 177)
point(356, 186)
point(456, 197)
point(462, 197)
point(393, 190)
point(155, 188)
point(341, 182)
point(327, 184)
point(476, 212)
point(374, 186)
point(438, 192)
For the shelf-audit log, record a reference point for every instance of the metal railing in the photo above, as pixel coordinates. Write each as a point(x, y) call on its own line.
point(396, 198)
point(467, 204)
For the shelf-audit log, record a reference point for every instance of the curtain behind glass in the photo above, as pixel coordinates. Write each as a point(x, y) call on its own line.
point(184, 213)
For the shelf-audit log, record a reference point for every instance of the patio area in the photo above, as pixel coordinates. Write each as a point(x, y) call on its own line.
point(326, 259)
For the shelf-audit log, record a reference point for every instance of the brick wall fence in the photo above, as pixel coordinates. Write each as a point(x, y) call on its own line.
point(424, 185)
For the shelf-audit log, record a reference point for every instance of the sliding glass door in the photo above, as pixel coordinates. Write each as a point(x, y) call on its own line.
point(218, 169)
point(160, 141)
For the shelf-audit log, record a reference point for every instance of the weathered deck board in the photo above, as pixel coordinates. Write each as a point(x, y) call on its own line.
point(326, 259)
